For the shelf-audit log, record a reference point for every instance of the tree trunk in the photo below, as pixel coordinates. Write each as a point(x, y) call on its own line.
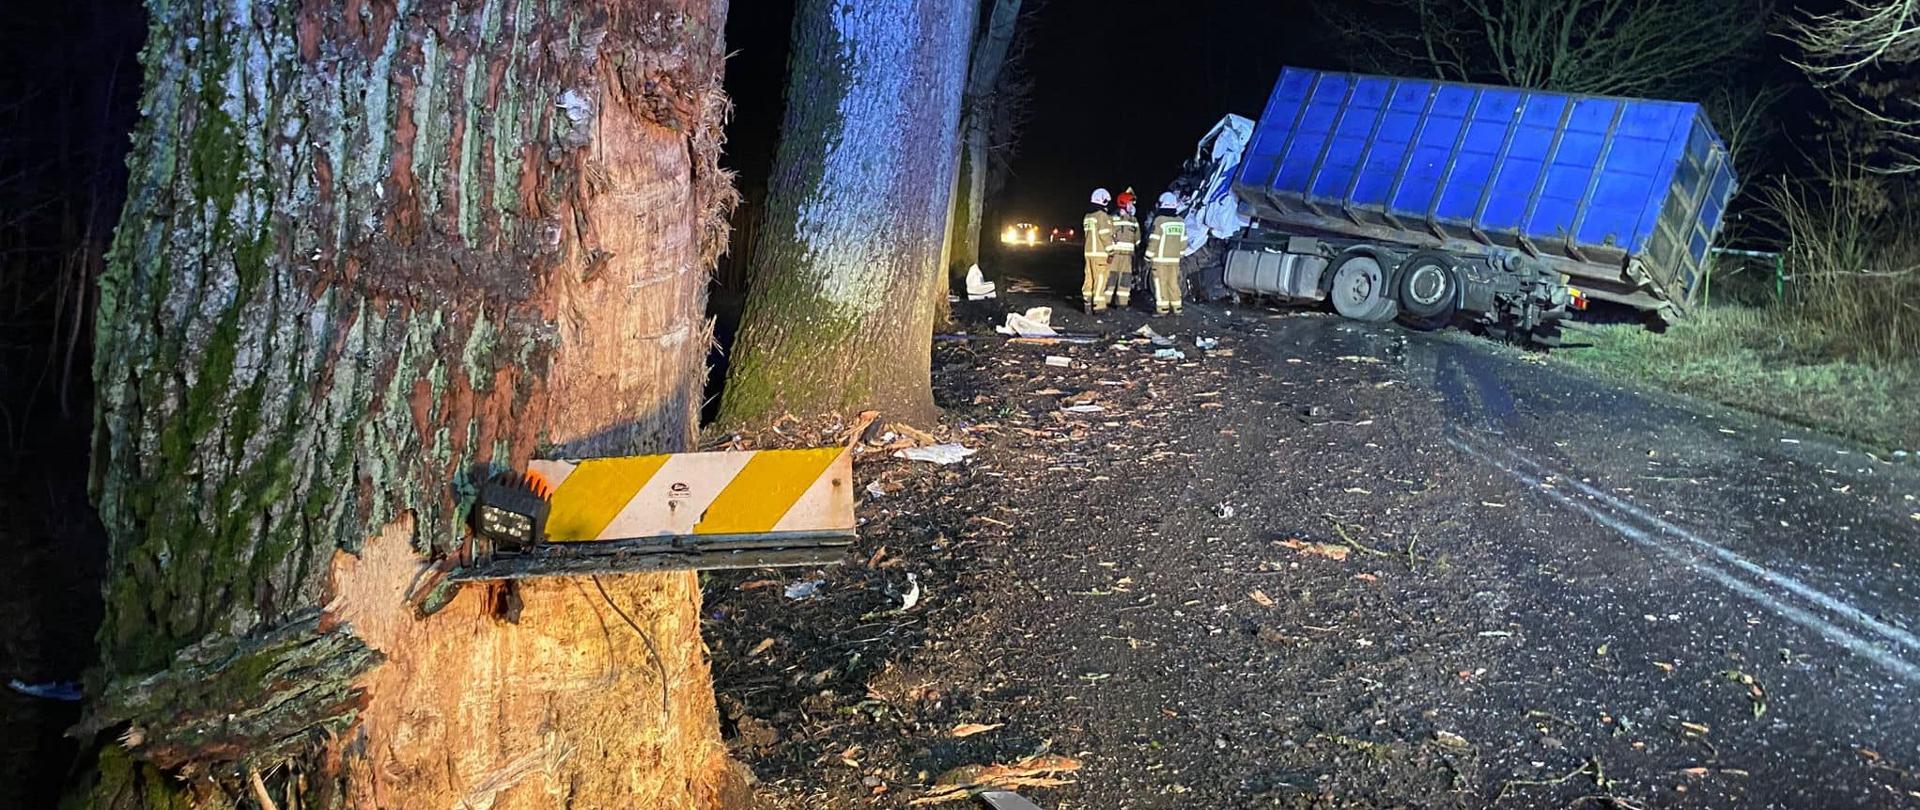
point(976, 129)
point(969, 198)
point(370, 249)
point(839, 314)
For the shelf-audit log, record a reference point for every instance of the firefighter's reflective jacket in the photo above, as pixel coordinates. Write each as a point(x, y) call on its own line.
point(1098, 229)
point(1168, 240)
point(1126, 233)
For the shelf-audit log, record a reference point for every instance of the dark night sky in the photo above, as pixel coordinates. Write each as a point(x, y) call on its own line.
point(1122, 89)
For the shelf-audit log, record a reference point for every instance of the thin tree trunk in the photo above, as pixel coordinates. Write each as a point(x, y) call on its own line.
point(370, 249)
point(839, 315)
point(976, 128)
point(969, 198)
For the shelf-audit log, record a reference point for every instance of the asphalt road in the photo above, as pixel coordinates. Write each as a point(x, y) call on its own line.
point(1609, 595)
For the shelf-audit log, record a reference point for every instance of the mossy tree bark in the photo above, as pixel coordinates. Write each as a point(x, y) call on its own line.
point(840, 308)
point(370, 249)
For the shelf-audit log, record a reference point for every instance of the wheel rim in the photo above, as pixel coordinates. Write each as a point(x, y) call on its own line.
point(1427, 284)
point(1357, 285)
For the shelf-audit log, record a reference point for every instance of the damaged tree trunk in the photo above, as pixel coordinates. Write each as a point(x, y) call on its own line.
point(839, 313)
point(370, 251)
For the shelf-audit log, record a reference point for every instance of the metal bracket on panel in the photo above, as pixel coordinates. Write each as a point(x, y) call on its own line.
point(682, 511)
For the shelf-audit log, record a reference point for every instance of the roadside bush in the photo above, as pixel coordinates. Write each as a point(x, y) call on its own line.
point(1852, 255)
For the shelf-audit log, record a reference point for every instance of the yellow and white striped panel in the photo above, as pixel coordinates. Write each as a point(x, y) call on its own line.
point(748, 492)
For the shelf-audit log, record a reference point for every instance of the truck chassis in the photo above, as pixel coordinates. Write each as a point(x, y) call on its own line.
point(1503, 293)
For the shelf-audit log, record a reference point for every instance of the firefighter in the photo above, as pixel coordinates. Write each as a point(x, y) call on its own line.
point(1126, 235)
point(1097, 229)
point(1166, 240)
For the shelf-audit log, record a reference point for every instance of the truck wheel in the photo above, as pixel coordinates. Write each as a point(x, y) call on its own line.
point(1426, 290)
point(1359, 290)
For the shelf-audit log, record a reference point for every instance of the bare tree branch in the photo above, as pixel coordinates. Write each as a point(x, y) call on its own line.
point(1864, 56)
point(1611, 47)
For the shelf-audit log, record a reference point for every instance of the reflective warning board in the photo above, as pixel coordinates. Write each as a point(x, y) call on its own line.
point(680, 494)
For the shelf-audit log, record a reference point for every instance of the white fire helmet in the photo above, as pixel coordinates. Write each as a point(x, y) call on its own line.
point(1169, 200)
point(1101, 197)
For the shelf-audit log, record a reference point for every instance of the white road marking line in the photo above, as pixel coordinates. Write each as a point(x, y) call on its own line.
point(1808, 592)
point(1828, 630)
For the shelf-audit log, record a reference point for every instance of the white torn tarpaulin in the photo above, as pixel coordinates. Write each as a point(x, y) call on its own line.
point(1035, 322)
point(978, 287)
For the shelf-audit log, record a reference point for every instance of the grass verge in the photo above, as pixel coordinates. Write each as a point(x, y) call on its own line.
point(1767, 362)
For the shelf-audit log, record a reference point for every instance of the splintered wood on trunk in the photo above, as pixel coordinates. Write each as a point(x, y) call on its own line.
point(372, 250)
point(839, 313)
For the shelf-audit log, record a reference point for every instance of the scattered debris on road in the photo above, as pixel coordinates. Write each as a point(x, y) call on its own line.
point(1070, 612)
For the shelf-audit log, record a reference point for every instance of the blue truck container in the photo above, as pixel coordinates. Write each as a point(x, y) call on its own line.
point(1624, 196)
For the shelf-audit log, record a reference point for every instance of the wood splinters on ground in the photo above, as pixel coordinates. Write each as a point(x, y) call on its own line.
point(1327, 550)
point(1591, 767)
point(970, 729)
point(1756, 694)
point(1261, 598)
point(1347, 538)
point(962, 783)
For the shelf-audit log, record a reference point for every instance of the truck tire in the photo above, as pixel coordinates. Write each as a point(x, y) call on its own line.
point(1359, 290)
point(1427, 290)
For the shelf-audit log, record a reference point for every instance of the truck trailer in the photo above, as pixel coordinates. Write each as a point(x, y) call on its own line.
point(1437, 202)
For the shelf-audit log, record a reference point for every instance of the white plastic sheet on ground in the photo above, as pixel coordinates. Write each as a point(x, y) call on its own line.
point(1153, 337)
point(942, 454)
point(1035, 322)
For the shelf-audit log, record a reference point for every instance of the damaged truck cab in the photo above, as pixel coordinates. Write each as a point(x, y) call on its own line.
point(1440, 202)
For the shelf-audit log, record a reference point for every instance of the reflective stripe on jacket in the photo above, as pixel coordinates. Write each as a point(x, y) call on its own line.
point(1098, 228)
point(1169, 239)
point(1126, 233)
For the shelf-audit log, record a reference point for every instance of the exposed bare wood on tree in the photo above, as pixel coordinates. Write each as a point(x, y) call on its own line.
point(840, 313)
point(371, 249)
